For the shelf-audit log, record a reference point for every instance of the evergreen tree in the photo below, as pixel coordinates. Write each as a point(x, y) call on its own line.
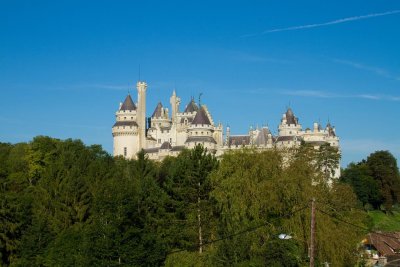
point(187, 182)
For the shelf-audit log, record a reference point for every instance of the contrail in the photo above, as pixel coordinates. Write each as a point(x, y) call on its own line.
point(338, 21)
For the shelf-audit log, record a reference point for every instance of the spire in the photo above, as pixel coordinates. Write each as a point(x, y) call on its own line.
point(128, 104)
point(201, 118)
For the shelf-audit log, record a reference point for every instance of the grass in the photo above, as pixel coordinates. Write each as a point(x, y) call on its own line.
point(383, 222)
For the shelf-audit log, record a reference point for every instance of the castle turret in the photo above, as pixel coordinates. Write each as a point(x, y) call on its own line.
point(201, 132)
point(125, 130)
point(174, 101)
point(289, 124)
point(141, 113)
point(228, 135)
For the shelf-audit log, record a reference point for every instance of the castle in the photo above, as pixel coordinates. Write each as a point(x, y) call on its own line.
point(164, 135)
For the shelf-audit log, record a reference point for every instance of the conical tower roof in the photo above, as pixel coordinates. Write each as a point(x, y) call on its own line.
point(201, 117)
point(290, 118)
point(157, 112)
point(191, 107)
point(128, 104)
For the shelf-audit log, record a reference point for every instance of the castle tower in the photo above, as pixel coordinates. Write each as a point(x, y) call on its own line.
point(141, 113)
point(289, 125)
point(201, 132)
point(174, 101)
point(228, 135)
point(125, 130)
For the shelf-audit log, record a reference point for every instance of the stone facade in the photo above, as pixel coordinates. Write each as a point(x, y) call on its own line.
point(164, 134)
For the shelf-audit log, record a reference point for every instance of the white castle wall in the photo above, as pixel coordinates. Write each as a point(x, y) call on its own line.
point(129, 142)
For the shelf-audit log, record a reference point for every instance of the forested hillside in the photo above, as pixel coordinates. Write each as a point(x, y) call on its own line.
point(66, 204)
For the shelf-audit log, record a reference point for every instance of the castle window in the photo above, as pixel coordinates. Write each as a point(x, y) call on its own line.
point(124, 118)
point(159, 141)
point(125, 151)
point(170, 140)
point(202, 133)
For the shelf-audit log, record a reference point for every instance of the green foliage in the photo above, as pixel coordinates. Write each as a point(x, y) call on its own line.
point(384, 169)
point(364, 185)
point(188, 259)
point(253, 189)
point(376, 181)
point(188, 185)
point(66, 204)
point(385, 222)
point(327, 160)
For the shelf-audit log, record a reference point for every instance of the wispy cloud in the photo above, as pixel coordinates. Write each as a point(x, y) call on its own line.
point(333, 22)
point(378, 71)
point(325, 94)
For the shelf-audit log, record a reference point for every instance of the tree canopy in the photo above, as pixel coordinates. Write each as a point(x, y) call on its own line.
point(376, 180)
point(63, 203)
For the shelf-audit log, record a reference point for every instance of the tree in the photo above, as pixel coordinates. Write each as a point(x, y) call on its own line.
point(364, 185)
point(14, 202)
point(383, 167)
point(267, 189)
point(328, 158)
point(187, 182)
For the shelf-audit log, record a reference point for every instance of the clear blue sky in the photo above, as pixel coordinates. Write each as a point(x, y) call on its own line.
point(66, 65)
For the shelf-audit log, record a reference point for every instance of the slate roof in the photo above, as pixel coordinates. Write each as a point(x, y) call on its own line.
point(331, 132)
point(290, 118)
point(128, 104)
point(151, 150)
point(125, 123)
point(238, 140)
point(157, 111)
point(201, 118)
point(201, 139)
point(166, 145)
point(178, 148)
point(262, 137)
point(191, 107)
